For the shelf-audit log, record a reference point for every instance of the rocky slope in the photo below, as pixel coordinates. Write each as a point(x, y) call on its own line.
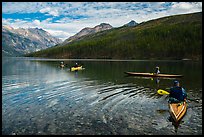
point(20, 41)
point(87, 31)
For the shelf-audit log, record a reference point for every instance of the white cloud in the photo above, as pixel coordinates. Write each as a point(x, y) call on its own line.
point(50, 11)
point(185, 7)
point(21, 7)
point(69, 20)
point(36, 22)
point(6, 21)
point(59, 33)
point(44, 10)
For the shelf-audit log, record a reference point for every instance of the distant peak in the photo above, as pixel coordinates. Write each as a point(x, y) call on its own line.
point(104, 24)
point(36, 28)
point(88, 31)
point(131, 23)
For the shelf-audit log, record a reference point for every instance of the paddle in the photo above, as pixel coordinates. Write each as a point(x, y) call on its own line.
point(162, 92)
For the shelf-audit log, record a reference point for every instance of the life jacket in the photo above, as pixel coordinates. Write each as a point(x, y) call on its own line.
point(177, 93)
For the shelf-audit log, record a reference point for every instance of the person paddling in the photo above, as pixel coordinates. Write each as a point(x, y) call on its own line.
point(157, 71)
point(177, 93)
point(76, 65)
point(62, 64)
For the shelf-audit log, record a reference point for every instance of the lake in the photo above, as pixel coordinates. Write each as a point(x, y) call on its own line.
point(39, 97)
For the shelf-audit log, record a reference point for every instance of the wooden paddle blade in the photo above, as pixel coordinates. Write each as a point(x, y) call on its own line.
point(162, 92)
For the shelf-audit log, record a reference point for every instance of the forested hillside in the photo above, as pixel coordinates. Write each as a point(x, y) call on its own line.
point(172, 37)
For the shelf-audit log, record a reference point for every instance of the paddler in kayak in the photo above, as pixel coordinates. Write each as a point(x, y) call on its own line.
point(157, 71)
point(62, 65)
point(76, 65)
point(177, 93)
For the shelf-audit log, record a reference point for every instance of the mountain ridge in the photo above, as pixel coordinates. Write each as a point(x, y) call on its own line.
point(170, 37)
point(22, 41)
point(87, 31)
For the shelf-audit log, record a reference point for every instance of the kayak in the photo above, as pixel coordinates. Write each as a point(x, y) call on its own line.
point(177, 110)
point(76, 68)
point(152, 75)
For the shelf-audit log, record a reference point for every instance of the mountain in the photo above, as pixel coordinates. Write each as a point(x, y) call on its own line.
point(132, 23)
point(16, 42)
point(87, 31)
point(171, 37)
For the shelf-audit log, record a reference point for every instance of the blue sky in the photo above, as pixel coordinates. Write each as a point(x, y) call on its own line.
point(64, 19)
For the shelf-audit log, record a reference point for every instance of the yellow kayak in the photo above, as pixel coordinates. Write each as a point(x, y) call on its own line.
point(76, 68)
point(177, 110)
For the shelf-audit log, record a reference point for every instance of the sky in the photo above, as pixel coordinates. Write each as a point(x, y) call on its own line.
point(65, 19)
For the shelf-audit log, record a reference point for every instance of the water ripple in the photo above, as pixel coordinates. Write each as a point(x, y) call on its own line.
point(82, 97)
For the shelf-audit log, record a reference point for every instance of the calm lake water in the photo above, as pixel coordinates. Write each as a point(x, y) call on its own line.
point(39, 97)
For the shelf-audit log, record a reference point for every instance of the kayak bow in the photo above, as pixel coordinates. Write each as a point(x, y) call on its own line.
point(177, 110)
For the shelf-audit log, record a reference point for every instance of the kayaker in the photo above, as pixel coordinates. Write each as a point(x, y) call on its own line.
point(62, 64)
point(157, 71)
point(76, 65)
point(177, 93)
